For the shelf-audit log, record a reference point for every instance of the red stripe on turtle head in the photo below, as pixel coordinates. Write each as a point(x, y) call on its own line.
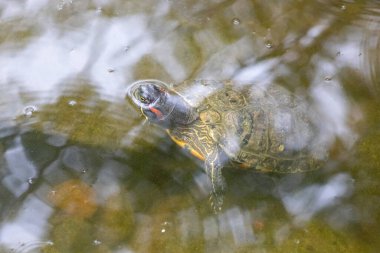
point(156, 112)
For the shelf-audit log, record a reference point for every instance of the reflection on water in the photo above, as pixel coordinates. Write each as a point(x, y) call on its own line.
point(310, 200)
point(81, 171)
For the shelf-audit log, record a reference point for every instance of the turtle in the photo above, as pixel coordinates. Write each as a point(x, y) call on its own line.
point(266, 129)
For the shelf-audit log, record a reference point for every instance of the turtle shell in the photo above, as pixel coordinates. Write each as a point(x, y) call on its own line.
point(266, 129)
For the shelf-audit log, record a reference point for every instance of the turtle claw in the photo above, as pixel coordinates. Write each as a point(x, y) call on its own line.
point(214, 171)
point(216, 202)
point(217, 194)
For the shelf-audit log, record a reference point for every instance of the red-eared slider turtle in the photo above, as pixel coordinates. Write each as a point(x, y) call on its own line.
point(245, 126)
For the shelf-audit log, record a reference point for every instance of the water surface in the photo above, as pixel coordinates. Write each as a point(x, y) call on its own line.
point(81, 170)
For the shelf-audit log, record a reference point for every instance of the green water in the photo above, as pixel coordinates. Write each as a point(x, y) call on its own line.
point(81, 170)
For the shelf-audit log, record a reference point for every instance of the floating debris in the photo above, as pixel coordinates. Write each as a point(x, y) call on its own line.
point(97, 242)
point(29, 110)
point(32, 180)
point(236, 21)
point(269, 44)
point(72, 102)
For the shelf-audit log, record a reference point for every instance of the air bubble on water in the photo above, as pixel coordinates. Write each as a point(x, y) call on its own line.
point(328, 78)
point(72, 102)
point(31, 180)
point(29, 110)
point(97, 242)
point(84, 171)
point(63, 3)
point(268, 45)
point(343, 7)
point(164, 225)
point(236, 21)
point(99, 10)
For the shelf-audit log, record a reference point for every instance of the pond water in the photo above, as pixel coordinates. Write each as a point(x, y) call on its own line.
point(81, 170)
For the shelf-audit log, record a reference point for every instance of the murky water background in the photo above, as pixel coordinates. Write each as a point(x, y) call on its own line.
point(82, 172)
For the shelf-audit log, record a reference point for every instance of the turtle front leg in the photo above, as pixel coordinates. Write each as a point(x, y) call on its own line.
point(214, 165)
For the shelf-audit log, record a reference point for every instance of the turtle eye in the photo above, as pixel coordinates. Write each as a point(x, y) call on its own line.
point(146, 94)
point(143, 99)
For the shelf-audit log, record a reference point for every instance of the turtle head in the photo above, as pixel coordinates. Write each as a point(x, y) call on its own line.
point(147, 94)
point(150, 96)
point(159, 103)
